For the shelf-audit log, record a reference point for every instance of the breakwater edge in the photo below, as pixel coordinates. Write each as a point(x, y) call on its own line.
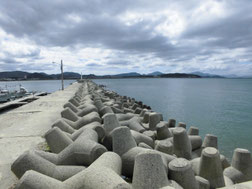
point(104, 140)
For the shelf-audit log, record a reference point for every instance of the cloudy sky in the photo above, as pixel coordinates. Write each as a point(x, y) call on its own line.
point(117, 36)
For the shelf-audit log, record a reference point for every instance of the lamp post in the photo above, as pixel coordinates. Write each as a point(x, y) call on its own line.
point(62, 77)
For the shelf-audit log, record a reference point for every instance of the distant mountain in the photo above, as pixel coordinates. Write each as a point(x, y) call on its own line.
point(231, 76)
point(13, 75)
point(38, 76)
point(19, 75)
point(130, 74)
point(72, 75)
point(207, 75)
point(180, 75)
point(155, 73)
point(67, 75)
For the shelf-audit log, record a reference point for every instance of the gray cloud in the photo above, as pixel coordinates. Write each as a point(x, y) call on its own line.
point(32, 54)
point(92, 64)
point(8, 60)
point(118, 63)
point(104, 24)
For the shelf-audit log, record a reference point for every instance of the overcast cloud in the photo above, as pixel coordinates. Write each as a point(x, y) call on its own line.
point(108, 37)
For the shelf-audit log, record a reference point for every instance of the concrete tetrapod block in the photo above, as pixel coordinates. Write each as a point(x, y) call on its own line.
point(135, 106)
point(243, 185)
point(171, 123)
point(196, 162)
point(161, 116)
point(110, 123)
point(57, 140)
point(210, 167)
point(151, 134)
point(83, 151)
point(224, 161)
point(181, 171)
point(210, 141)
point(203, 183)
point(163, 131)
point(181, 144)
point(88, 109)
point(143, 145)
point(91, 117)
point(74, 102)
point(197, 153)
point(138, 111)
point(228, 181)
point(143, 112)
point(67, 113)
point(139, 137)
point(164, 146)
point(133, 124)
point(196, 141)
point(146, 117)
point(31, 161)
point(35, 180)
point(128, 110)
point(193, 131)
point(95, 126)
point(105, 110)
point(104, 173)
point(98, 103)
point(241, 166)
point(71, 106)
point(64, 126)
point(85, 104)
point(125, 145)
point(242, 161)
point(149, 171)
point(181, 124)
point(154, 119)
point(124, 117)
point(125, 105)
point(116, 110)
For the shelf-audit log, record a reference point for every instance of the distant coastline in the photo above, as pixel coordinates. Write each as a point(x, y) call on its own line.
point(22, 76)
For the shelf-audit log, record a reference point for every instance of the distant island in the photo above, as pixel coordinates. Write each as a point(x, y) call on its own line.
point(20, 75)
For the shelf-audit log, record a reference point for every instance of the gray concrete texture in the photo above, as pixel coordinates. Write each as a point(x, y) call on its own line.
point(99, 139)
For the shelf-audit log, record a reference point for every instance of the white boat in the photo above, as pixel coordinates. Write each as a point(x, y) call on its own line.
point(6, 95)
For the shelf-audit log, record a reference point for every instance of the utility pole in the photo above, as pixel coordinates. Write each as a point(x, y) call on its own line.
point(62, 76)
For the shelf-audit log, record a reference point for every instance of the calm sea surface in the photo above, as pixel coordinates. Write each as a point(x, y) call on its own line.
point(218, 106)
point(39, 86)
point(222, 107)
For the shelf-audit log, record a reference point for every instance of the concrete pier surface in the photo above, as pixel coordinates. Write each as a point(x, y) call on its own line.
point(23, 128)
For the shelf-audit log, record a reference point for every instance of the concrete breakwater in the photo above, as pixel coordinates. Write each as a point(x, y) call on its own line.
point(104, 140)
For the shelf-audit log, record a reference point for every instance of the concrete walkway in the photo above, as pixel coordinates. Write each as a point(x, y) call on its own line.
point(22, 129)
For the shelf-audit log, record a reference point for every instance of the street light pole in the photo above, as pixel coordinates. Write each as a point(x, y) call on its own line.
point(62, 76)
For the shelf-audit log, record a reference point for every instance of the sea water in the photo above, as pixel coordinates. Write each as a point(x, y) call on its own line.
point(35, 85)
point(222, 107)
